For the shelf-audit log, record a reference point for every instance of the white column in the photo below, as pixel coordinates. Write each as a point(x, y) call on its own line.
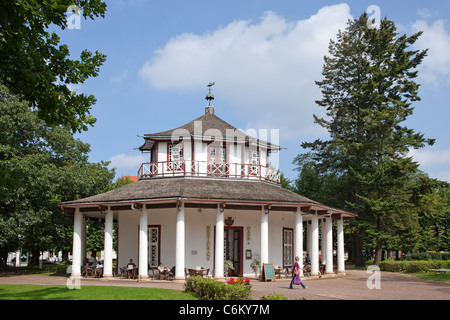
point(308, 238)
point(76, 247)
point(143, 244)
point(323, 242)
point(107, 267)
point(299, 238)
point(329, 245)
point(180, 244)
point(18, 255)
point(264, 236)
point(314, 245)
point(83, 239)
point(218, 250)
point(340, 246)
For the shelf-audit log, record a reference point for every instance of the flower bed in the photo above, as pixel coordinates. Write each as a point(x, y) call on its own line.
point(239, 281)
point(210, 289)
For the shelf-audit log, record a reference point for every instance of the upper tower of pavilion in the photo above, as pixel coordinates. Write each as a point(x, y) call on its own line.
point(208, 147)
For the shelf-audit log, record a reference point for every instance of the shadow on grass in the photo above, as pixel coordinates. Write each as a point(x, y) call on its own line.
point(31, 292)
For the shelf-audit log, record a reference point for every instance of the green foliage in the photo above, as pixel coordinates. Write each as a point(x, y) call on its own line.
point(368, 91)
point(413, 266)
point(427, 256)
point(43, 166)
point(210, 289)
point(34, 65)
point(274, 296)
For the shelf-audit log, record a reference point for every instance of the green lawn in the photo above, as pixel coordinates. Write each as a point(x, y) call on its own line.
point(432, 276)
point(41, 292)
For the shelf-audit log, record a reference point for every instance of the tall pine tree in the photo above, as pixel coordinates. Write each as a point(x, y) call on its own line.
point(368, 90)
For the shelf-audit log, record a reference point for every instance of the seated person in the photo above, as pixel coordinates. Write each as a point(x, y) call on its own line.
point(131, 264)
point(161, 268)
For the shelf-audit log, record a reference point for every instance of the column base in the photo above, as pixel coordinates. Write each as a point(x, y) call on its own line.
point(106, 277)
point(341, 272)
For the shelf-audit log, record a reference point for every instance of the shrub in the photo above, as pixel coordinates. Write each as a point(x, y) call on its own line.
point(413, 266)
point(210, 289)
point(274, 296)
point(427, 256)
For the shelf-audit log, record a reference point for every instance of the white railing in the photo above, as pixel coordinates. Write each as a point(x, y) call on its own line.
point(207, 169)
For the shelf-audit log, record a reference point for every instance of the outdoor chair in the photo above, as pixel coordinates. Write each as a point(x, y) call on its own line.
point(84, 271)
point(90, 271)
point(98, 272)
point(168, 275)
point(123, 272)
point(156, 273)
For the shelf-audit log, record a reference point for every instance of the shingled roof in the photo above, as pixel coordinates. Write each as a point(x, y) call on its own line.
point(206, 126)
point(198, 189)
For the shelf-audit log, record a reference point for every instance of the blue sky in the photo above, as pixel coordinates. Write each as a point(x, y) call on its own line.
point(264, 57)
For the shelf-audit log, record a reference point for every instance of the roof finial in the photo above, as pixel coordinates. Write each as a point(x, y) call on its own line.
point(210, 97)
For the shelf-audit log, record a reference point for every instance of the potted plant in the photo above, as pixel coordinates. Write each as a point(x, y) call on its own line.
point(228, 265)
point(255, 266)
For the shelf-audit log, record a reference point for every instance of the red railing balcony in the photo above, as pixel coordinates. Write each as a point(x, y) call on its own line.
point(207, 169)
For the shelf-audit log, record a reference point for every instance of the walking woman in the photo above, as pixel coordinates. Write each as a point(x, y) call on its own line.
point(296, 275)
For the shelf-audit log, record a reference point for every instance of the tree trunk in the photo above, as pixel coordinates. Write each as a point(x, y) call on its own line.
point(65, 256)
point(35, 258)
point(357, 250)
point(378, 254)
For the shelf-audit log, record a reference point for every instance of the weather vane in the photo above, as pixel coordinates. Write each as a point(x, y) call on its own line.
point(209, 95)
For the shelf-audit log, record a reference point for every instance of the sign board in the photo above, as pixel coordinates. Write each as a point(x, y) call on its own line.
point(268, 271)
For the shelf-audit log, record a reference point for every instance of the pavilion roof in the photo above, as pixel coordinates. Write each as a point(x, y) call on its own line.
point(207, 126)
point(203, 190)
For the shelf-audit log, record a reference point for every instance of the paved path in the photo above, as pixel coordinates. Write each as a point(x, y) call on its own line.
point(353, 286)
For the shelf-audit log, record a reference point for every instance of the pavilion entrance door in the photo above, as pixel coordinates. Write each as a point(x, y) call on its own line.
point(233, 249)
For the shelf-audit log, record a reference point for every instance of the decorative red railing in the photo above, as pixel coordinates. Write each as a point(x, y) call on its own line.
point(207, 169)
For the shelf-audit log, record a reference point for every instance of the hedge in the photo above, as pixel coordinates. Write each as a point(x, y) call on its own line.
point(428, 256)
point(413, 266)
point(210, 289)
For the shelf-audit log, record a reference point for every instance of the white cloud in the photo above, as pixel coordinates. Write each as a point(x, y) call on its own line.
point(433, 161)
point(435, 68)
point(123, 162)
point(428, 157)
point(265, 70)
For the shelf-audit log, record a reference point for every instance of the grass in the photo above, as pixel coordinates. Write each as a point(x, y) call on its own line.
point(44, 292)
point(433, 276)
